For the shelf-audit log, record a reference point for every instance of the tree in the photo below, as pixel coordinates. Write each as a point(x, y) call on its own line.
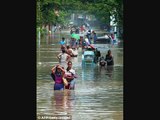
point(56, 11)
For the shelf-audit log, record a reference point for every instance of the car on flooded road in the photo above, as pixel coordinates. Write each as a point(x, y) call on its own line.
point(88, 57)
point(103, 40)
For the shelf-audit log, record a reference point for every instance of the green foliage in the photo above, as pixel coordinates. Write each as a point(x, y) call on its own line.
point(43, 31)
point(102, 9)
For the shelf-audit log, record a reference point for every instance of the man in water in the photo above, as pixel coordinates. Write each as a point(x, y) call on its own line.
point(70, 75)
point(63, 43)
point(110, 62)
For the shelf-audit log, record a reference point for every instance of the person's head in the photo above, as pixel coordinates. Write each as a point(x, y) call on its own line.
point(63, 51)
point(72, 38)
point(69, 64)
point(58, 68)
point(68, 46)
point(112, 34)
point(109, 52)
point(63, 38)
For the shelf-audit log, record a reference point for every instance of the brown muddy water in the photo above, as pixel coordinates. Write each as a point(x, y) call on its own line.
point(98, 94)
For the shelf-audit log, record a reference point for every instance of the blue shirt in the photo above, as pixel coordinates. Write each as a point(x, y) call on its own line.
point(62, 42)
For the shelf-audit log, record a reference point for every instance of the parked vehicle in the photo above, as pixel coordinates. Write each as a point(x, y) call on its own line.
point(103, 40)
point(88, 57)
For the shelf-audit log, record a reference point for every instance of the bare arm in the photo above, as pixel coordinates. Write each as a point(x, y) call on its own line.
point(54, 69)
point(59, 56)
point(63, 71)
point(68, 57)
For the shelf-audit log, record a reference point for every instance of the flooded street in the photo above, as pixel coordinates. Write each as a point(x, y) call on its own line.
point(98, 94)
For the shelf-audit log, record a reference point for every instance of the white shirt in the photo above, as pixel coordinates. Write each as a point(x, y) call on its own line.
point(63, 57)
point(70, 72)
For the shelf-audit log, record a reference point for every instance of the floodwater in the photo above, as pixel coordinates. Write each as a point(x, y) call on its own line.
point(98, 94)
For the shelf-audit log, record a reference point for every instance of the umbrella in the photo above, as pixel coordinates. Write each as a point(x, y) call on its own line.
point(76, 36)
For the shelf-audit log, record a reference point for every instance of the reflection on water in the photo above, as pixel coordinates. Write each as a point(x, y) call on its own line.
point(98, 94)
point(63, 102)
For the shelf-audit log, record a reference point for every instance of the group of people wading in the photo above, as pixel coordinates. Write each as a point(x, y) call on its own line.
point(63, 78)
point(63, 74)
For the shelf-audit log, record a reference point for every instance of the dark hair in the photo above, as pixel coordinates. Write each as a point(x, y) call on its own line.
point(109, 51)
point(68, 46)
point(69, 62)
point(63, 38)
point(63, 51)
point(53, 76)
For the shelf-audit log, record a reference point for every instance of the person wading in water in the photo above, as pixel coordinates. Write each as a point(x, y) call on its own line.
point(70, 75)
point(57, 75)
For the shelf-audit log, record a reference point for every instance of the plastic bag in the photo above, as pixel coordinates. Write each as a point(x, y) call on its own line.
point(65, 81)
